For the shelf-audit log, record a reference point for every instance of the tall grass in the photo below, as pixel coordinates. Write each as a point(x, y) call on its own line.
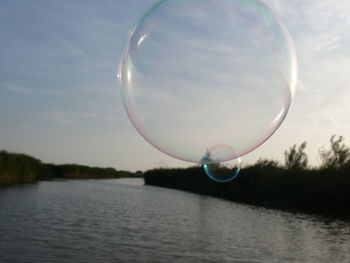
point(22, 168)
point(18, 167)
point(294, 185)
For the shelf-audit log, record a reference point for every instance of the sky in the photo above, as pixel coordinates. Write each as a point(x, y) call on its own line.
point(60, 100)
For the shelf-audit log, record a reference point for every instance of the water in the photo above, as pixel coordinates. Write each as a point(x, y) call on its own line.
point(125, 221)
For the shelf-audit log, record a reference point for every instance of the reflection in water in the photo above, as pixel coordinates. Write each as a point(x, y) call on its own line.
point(125, 221)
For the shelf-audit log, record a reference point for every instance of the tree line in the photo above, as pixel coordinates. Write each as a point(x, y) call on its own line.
point(294, 185)
point(22, 168)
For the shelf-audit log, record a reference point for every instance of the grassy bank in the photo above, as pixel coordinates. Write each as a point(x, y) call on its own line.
point(292, 186)
point(18, 168)
point(21, 168)
point(324, 191)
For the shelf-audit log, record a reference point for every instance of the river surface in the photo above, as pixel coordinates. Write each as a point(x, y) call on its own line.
point(122, 220)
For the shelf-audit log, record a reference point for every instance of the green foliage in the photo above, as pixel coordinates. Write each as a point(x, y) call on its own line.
point(271, 186)
point(337, 156)
point(266, 163)
point(267, 183)
point(21, 165)
point(75, 171)
point(296, 158)
point(21, 168)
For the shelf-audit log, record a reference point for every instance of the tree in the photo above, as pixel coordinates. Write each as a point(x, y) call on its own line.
point(295, 157)
point(266, 163)
point(338, 154)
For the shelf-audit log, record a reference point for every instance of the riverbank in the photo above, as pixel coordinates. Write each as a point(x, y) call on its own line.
point(21, 168)
point(322, 191)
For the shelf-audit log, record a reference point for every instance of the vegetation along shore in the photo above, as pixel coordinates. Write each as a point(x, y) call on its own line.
point(22, 168)
point(291, 186)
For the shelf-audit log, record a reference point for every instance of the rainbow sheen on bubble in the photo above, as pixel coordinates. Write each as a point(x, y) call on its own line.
point(218, 171)
point(223, 172)
point(201, 74)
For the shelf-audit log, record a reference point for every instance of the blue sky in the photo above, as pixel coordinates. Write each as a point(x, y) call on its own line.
point(59, 99)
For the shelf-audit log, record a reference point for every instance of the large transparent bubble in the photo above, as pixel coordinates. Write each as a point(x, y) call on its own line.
point(199, 75)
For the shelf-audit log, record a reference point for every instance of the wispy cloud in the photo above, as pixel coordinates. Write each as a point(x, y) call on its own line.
point(71, 50)
point(61, 118)
point(58, 62)
point(14, 88)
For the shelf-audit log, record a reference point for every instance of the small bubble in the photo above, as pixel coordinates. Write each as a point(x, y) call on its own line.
point(221, 171)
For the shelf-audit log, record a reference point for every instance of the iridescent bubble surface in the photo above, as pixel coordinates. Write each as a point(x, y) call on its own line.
point(217, 171)
point(197, 74)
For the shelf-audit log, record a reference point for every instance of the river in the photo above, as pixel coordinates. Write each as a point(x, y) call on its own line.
point(122, 220)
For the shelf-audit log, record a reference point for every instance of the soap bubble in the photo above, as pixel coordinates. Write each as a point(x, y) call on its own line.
point(200, 74)
point(217, 171)
point(223, 172)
